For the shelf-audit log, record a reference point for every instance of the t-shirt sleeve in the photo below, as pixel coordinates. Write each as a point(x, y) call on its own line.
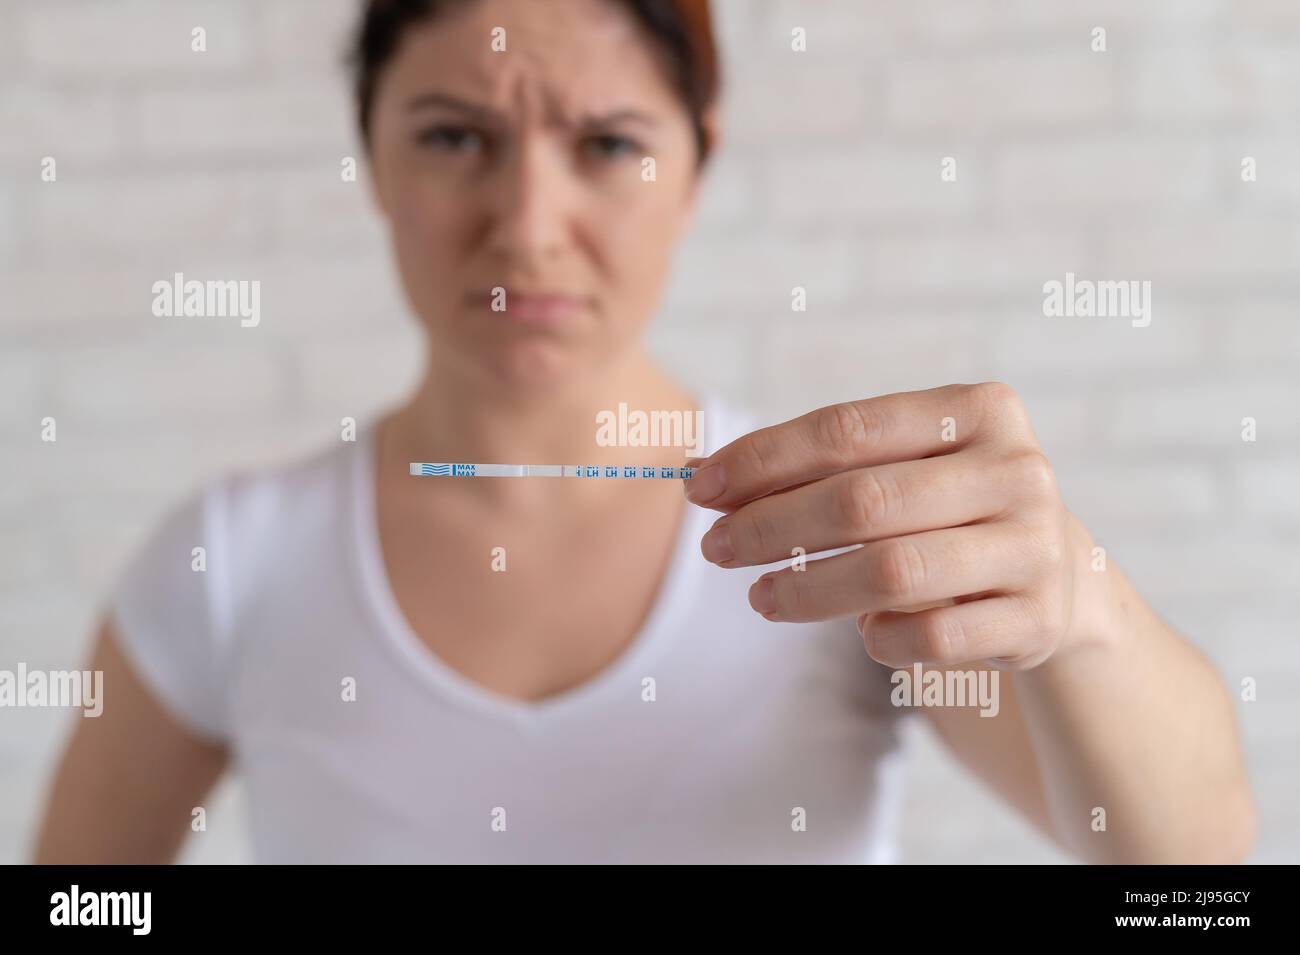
point(167, 621)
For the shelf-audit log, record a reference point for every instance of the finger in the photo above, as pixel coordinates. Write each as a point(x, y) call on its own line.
point(859, 506)
point(856, 434)
point(1003, 627)
point(898, 572)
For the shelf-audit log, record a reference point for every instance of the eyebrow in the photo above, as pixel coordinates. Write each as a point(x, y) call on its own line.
point(446, 101)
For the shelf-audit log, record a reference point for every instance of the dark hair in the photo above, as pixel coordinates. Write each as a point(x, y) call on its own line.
point(683, 29)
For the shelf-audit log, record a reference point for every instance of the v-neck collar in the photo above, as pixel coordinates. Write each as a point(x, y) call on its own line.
point(666, 619)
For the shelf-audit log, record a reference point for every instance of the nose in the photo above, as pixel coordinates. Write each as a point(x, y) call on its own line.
point(531, 195)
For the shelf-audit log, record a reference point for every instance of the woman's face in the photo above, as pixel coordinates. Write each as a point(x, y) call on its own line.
point(523, 170)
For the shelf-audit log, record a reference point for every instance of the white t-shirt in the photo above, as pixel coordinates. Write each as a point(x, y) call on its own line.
point(765, 742)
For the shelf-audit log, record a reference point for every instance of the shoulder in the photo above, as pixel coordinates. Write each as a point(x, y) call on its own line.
point(301, 490)
point(243, 510)
point(213, 544)
point(290, 517)
point(176, 604)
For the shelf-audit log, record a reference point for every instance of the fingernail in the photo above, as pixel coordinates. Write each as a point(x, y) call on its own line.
point(716, 545)
point(706, 484)
point(760, 595)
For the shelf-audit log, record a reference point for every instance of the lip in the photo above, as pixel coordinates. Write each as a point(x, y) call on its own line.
point(537, 308)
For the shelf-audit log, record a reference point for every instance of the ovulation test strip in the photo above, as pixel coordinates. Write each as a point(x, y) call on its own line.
point(419, 469)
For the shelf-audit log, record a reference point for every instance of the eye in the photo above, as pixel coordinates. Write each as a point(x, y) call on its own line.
point(611, 146)
point(452, 139)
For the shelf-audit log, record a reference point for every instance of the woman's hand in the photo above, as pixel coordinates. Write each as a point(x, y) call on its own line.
point(960, 522)
point(956, 506)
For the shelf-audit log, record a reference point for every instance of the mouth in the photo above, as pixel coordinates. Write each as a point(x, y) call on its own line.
point(532, 307)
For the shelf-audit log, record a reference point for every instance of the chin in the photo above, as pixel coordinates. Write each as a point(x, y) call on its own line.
point(539, 365)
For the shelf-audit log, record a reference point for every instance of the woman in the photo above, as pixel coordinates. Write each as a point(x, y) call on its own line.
point(410, 669)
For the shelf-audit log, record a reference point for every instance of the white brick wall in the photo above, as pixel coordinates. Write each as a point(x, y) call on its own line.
point(1122, 165)
point(139, 40)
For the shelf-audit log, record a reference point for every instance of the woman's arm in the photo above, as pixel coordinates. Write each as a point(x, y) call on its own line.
point(1130, 719)
point(129, 778)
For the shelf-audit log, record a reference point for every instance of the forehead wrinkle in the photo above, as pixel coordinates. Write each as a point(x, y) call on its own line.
point(529, 95)
point(559, 52)
point(552, 72)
